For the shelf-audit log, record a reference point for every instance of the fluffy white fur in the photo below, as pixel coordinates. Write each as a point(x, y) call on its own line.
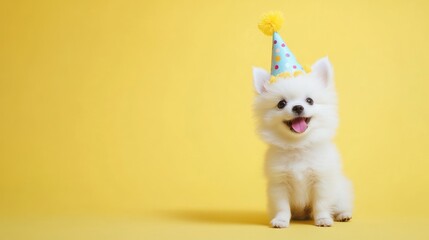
point(303, 169)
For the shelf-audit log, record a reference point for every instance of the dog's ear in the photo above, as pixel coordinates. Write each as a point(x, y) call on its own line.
point(323, 70)
point(260, 78)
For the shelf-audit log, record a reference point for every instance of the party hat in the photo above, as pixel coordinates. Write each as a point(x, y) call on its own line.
point(283, 62)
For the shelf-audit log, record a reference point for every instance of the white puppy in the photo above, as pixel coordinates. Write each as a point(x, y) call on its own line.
point(297, 117)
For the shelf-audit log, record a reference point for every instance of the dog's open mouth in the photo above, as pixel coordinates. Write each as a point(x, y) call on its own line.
point(298, 125)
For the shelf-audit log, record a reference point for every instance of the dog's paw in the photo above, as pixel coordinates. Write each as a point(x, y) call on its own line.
point(280, 222)
point(343, 217)
point(324, 222)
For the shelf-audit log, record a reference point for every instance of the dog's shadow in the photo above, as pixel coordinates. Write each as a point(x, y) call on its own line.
point(225, 217)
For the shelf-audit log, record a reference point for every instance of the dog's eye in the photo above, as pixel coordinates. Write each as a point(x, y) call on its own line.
point(281, 104)
point(310, 101)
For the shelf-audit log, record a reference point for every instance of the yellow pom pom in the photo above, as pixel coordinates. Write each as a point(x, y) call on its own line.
point(273, 79)
point(307, 69)
point(297, 73)
point(284, 75)
point(271, 22)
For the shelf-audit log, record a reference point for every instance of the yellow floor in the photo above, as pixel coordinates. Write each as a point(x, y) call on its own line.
point(205, 225)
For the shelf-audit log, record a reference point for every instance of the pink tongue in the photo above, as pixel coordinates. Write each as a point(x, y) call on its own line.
point(299, 125)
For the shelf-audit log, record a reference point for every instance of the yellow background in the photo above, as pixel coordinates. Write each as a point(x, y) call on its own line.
point(132, 119)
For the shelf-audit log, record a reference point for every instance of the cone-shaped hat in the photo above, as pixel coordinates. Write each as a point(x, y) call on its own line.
point(283, 62)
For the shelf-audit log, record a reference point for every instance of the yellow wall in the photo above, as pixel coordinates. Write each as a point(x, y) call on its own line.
point(127, 106)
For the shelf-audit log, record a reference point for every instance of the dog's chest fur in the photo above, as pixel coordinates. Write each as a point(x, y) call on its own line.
point(298, 171)
point(299, 177)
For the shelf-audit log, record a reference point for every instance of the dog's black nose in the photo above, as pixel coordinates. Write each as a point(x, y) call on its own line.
point(298, 109)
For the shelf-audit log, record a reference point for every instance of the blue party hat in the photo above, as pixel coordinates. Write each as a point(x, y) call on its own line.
point(283, 62)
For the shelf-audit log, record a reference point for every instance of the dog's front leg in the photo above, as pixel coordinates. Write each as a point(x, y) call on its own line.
point(279, 204)
point(322, 204)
